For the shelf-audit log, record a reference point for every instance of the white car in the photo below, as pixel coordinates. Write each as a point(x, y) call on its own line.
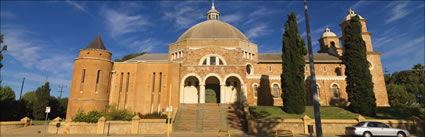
point(373, 128)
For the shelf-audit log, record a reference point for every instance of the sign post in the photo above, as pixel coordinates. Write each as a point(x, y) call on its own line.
point(47, 123)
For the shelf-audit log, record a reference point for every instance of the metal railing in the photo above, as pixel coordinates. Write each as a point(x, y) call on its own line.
point(226, 131)
point(281, 130)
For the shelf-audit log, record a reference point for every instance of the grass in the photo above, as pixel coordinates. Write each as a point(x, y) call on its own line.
point(332, 112)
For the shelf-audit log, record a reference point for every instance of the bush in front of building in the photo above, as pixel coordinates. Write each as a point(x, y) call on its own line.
point(90, 117)
point(154, 115)
point(115, 114)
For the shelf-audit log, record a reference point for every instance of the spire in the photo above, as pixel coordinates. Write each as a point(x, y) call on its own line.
point(212, 7)
point(97, 43)
point(213, 14)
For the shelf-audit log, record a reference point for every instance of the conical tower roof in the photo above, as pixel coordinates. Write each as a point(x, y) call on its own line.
point(97, 43)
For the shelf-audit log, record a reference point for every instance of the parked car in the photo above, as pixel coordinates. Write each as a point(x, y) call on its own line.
point(373, 128)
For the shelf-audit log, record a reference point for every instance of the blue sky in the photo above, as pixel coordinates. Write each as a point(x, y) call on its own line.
point(44, 37)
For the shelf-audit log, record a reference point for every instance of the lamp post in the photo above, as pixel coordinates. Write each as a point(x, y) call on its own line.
point(313, 76)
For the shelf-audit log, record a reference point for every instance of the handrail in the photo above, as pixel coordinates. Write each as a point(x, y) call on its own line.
point(281, 130)
point(219, 131)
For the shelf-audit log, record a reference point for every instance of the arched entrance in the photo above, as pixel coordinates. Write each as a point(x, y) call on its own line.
point(232, 90)
point(212, 90)
point(190, 94)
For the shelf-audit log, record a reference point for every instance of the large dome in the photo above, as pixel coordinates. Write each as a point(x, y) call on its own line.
point(212, 29)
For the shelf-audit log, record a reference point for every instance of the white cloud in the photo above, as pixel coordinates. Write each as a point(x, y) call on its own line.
point(7, 15)
point(257, 31)
point(184, 17)
point(121, 23)
point(231, 18)
point(408, 48)
point(76, 5)
point(33, 53)
point(147, 45)
point(398, 10)
point(360, 4)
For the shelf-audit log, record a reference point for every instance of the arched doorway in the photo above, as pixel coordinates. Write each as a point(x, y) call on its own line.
point(212, 90)
point(191, 90)
point(232, 90)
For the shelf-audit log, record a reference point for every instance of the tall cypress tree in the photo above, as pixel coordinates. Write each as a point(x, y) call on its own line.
point(359, 80)
point(293, 64)
point(42, 94)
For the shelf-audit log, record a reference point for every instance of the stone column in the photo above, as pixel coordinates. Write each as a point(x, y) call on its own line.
point(135, 124)
point(243, 94)
point(100, 125)
point(222, 94)
point(306, 121)
point(26, 121)
point(202, 93)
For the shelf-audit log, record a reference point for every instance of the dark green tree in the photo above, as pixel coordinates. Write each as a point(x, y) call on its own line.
point(293, 64)
point(3, 48)
point(129, 56)
point(398, 95)
point(7, 94)
point(359, 80)
point(42, 94)
point(29, 99)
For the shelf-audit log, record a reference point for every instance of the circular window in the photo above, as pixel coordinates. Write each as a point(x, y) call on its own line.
point(248, 69)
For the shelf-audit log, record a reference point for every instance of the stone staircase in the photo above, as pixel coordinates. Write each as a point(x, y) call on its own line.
point(202, 118)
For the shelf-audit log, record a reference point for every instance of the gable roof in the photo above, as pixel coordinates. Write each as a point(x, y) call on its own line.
point(151, 57)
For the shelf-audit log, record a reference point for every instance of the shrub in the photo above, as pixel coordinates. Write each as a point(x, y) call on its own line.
point(90, 117)
point(115, 114)
point(154, 115)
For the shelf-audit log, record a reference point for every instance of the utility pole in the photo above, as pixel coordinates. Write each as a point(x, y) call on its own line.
point(313, 76)
point(22, 88)
point(61, 86)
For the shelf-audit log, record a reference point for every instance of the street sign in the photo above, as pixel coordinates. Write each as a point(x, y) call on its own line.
point(48, 109)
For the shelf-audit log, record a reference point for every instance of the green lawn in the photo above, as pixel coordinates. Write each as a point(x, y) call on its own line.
point(331, 112)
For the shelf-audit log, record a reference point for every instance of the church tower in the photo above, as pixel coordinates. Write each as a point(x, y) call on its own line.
point(373, 58)
point(329, 40)
point(90, 79)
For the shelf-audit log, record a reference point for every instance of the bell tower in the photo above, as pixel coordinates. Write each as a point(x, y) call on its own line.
point(373, 58)
point(90, 79)
point(329, 40)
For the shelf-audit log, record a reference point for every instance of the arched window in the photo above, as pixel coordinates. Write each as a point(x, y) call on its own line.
point(324, 68)
point(255, 89)
point(212, 60)
point(275, 91)
point(335, 91)
point(332, 44)
point(270, 68)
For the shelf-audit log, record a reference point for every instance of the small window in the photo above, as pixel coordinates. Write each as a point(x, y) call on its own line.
point(306, 68)
point(270, 68)
point(324, 68)
point(338, 71)
point(318, 91)
point(204, 63)
point(275, 91)
point(220, 62)
point(335, 91)
point(97, 80)
point(332, 44)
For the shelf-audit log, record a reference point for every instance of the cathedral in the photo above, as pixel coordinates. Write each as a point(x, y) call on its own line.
point(211, 62)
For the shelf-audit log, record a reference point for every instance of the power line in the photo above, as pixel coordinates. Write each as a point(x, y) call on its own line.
point(61, 86)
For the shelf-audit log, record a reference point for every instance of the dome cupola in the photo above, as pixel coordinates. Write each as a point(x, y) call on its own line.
point(328, 33)
point(351, 14)
point(213, 14)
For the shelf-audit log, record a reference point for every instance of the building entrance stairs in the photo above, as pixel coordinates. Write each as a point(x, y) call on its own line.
point(206, 118)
